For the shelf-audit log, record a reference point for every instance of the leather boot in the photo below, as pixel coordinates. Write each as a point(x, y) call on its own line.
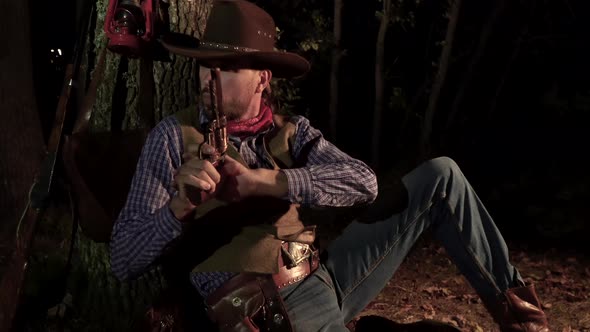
point(520, 311)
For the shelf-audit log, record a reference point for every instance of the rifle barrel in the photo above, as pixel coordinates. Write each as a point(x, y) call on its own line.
point(216, 77)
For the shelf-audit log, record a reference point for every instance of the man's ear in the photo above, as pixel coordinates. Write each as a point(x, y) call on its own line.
point(265, 77)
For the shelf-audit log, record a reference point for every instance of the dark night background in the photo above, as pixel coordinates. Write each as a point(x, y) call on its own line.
point(513, 109)
point(518, 129)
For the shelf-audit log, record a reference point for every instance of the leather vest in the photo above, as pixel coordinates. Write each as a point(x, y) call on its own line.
point(257, 245)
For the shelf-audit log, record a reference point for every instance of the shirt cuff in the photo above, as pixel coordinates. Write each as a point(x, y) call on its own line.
point(299, 181)
point(166, 223)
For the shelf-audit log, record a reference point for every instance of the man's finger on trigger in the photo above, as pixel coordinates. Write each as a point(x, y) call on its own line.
point(194, 181)
point(203, 175)
point(212, 171)
point(201, 183)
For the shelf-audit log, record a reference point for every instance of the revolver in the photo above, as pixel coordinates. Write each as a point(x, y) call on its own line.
point(216, 130)
point(215, 133)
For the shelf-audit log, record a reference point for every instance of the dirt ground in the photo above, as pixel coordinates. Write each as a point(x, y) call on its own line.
point(428, 286)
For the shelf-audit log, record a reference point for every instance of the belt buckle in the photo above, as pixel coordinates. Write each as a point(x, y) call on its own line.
point(295, 253)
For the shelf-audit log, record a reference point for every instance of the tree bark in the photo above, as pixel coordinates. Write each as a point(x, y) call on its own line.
point(174, 80)
point(379, 81)
point(440, 78)
point(102, 302)
point(337, 54)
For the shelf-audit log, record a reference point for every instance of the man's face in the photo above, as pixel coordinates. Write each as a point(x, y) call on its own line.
point(238, 90)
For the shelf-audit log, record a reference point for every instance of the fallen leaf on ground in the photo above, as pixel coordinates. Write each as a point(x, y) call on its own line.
point(450, 320)
point(534, 277)
point(427, 306)
point(437, 291)
point(429, 315)
point(461, 321)
point(470, 298)
point(477, 328)
point(585, 321)
point(558, 280)
point(571, 297)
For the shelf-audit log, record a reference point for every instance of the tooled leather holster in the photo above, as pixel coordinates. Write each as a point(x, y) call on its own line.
point(251, 302)
point(248, 302)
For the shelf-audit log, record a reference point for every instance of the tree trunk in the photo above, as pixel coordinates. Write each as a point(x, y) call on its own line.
point(379, 81)
point(337, 54)
point(22, 144)
point(507, 69)
point(174, 80)
point(469, 73)
point(440, 78)
point(21, 135)
point(135, 93)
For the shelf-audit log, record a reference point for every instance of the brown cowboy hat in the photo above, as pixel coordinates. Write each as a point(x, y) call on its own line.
point(238, 34)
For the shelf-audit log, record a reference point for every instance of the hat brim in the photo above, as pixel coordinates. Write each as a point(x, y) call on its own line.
point(282, 64)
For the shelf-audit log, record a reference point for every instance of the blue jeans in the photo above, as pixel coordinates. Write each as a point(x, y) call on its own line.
point(360, 262)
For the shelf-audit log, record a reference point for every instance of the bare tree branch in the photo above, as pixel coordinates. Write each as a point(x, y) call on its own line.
point(379, 81)
point(441, 76)
point(469, 72)
point(337, 53)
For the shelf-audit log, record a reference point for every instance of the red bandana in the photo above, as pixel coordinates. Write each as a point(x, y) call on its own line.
point(251, 127)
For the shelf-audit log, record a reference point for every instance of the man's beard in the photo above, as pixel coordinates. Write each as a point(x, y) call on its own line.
point(234, 108)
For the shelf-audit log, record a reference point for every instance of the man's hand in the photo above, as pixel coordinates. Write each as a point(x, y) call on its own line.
point(195, 172)
point(239, 182)
point(231, 183)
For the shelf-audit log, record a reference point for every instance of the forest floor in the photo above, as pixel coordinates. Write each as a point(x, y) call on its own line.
point(428, 286)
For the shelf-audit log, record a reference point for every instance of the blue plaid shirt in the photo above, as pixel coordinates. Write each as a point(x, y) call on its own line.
point(145, 225)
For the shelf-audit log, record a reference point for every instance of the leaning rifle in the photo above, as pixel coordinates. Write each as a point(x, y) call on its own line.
point(12, 282)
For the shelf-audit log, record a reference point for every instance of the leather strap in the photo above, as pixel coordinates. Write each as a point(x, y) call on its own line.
point(275, 314)
point(83, 116)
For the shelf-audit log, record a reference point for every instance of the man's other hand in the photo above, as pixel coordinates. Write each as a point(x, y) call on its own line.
point(239, 182)
point(197, 173)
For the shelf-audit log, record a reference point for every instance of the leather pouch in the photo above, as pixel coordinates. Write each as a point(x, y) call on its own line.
point(248, 303)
